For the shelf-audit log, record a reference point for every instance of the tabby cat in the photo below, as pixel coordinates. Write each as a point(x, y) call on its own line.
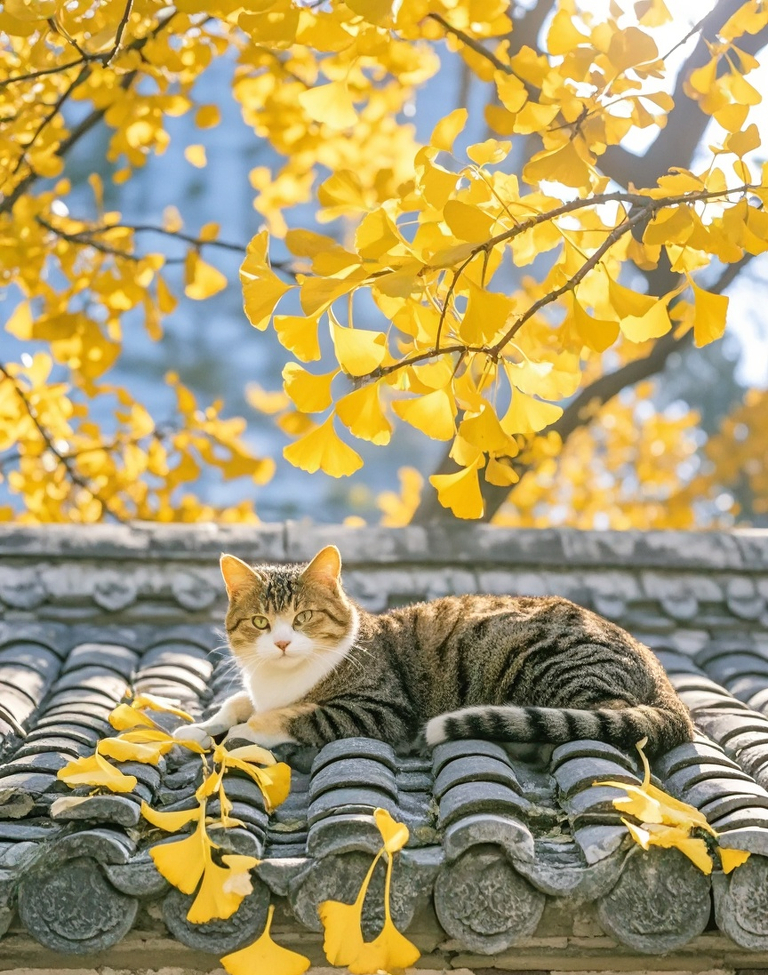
point(316, 667)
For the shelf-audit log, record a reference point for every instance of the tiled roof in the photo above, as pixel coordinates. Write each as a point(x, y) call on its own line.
point(497, 849)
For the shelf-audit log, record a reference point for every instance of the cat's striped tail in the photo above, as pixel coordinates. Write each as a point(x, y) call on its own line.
point(663, 726)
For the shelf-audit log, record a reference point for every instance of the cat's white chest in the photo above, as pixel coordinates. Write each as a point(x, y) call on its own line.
point(277, 687)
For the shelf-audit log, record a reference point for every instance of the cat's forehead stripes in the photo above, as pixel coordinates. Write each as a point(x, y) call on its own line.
point(281, 587)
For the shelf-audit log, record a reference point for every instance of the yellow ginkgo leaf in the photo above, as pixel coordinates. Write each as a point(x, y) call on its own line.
point(184, 861)
point(730, 859)
point(489, 152)
point(358, 350)
point(222, 889)
point(486, 315)
point(562, 165)
point(202, 280)
point(709, 315)
point(147, 747)
point(153, 703)
point(434, 414)
point(264, 956)
point(596, 333)
point(485, 432)
point(310, 393)
point(298, 334)
point(500, 473)
point(468, 222)
point(650, 325)
point(512, 92)
point(323, 449)
point(245, 753)
point(445, 132)
point(460, 491)
point(343, 923)
point(97, 771)
point(212, 901)
point(394, 834)
point(528, 415)
point(124, 718)
point(376, 235)
point(262, 289)
point(171, 822)
point(331, 104)
point(361, 413)
point(389, 951)
point(672, 837)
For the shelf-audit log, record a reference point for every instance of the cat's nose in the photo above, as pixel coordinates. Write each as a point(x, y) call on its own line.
point(283, 644)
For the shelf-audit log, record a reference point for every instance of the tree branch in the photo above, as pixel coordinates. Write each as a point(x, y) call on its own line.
point(580, 410)
point(686, 122)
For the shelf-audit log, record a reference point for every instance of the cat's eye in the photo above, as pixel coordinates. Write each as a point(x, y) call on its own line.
point(303, 617)
point(260, 622)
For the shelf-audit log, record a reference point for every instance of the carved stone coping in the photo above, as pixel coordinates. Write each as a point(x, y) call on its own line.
point(742, 550)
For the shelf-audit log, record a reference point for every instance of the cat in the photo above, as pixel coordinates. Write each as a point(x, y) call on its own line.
point(316, 667)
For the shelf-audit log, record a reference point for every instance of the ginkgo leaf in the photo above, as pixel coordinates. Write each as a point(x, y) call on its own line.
point(124, 718)
point(489, 152)
point(171, 822)
point(298, 334)
point(563, 165)
point(433, 414)
point(265, 956)
point(153, 703)
point(343, 929)
point(460, 492)
point(485, 315)
point(137, 746)
point(730, 859)
point(246, 753)
point(376, 235)
point(528, 415)
point(361, 413)
point(358, 350)
point(394, 834)
point(323, 449)
point(485, 431)
point(512, 92)
point(310, 393)
point(262, 289)
point(389, 951)
point(500, 473)
point(212, 901)
point(445, 132)
point(202, 280)
point(670, 837)
point(650, 325)
point(709, 315)
point(97, 771)
point(467, 222)
point(597, 334)
point(183, 862)
point(331, 104)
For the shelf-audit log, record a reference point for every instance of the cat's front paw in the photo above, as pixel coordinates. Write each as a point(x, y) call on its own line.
point(193, 732)
point(259, 736)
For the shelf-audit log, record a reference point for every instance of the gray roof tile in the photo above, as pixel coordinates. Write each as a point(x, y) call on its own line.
point(492, 838)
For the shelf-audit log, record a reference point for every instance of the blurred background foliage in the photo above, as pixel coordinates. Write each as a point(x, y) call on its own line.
point(144, 145)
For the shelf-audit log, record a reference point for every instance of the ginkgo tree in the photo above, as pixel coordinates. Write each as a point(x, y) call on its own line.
point(495, 293)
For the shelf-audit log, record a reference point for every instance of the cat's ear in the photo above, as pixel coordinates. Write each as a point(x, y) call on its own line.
point(325, 567)
point(237, 575)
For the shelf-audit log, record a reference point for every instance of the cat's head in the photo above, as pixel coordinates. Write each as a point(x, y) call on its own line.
point(286, 615)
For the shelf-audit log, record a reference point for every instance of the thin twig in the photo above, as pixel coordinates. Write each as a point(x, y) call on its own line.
point(694, 30)
point(82, 237)
point(474, 45)
point(119, 35)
